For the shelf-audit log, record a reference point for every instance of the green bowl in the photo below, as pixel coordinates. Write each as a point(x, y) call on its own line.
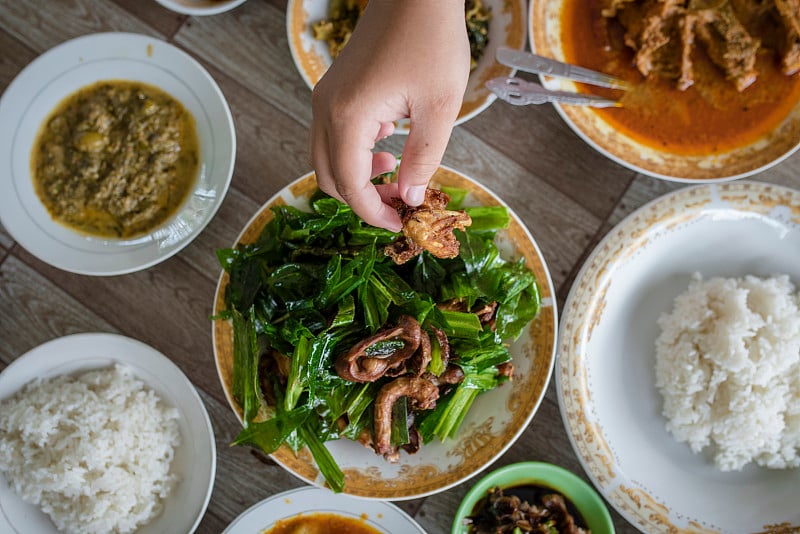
point(586, 500)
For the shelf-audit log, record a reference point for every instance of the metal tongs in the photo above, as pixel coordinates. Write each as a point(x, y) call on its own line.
point(521, 92)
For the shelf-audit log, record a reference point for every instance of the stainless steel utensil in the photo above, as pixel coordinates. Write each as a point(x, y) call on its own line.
point(527, 62)
point(520, 93)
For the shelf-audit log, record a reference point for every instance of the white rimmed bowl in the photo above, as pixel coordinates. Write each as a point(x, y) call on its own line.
point(745, 160)
point(199, 8)
point(59, 72)
point(195, 458)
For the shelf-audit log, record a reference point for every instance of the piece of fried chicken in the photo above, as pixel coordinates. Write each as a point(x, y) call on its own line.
point(428, 226)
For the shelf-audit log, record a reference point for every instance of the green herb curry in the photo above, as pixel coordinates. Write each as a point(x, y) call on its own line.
point(115, 159)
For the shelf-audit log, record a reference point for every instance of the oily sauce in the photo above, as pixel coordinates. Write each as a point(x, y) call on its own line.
point(115, 159)
point(533, 494)
point(707, 118)
point(321, 523)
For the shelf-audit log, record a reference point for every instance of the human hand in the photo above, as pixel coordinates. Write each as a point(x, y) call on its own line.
point(405, 59)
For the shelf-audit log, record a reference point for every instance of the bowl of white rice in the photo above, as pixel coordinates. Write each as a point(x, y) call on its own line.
point(728, 368)
point(678, 373)
point(101, 433)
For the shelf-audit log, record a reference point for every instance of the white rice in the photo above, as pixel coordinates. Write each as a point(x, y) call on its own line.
point(728, 368)
point(92, 450)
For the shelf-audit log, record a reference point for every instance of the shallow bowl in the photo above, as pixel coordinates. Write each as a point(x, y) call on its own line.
point(587, 502)
point(199, 8)
point(60, 72)
point(195, 459)
point(507, 28)
point(546, 38)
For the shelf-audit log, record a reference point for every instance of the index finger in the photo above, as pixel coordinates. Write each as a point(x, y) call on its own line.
point(351, 162)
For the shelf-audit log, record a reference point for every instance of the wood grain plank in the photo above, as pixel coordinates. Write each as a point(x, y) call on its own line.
point(6, 241)
point(13, 59)
point(167, 306)
point(272, 146)
point(163, 20)
point(42, 24)
point(250, 45)
point(34, 310)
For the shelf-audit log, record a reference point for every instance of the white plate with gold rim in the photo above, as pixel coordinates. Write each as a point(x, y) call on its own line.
point(381, 516)
point(58, 73)
point(195, 460)
point(493, 423)
point(508, 28)
point(605, 373)
point(199, 8)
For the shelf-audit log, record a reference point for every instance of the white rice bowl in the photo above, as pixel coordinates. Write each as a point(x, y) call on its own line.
point(92, 450)
point(728, 368)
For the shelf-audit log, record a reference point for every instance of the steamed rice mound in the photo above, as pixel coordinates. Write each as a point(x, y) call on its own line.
point(93, 451)
point(728, 368)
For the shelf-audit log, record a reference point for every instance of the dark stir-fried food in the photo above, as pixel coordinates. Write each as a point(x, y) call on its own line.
point(344, 14)
point(333, 339)
point(547, 513)
point(116, 159)
point(664, 34)
point(428, 226)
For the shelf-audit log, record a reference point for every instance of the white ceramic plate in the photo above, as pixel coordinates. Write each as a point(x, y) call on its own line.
point(195, 459)
point(507, 28)
point(61, 71)
point(606, 368)
point(200, 7)
point(380, 515)
point(495, 420)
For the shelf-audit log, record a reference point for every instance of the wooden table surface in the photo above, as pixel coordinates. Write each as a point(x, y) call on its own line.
point(569, 196)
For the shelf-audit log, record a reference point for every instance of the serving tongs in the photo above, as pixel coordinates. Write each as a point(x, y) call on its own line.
point(521, 92)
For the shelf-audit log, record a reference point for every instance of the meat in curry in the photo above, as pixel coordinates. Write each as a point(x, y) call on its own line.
point(708, 76)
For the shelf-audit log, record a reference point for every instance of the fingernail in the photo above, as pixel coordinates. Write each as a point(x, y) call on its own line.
point(415, 195)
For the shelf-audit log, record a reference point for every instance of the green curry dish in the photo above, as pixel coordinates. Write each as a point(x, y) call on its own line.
point(317, 283)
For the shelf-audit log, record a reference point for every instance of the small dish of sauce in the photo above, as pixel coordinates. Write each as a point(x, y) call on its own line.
point(322, 523)
point(531, 508)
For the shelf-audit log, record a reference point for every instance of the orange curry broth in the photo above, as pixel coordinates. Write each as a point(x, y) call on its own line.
point(322, 523)
point(709, 117)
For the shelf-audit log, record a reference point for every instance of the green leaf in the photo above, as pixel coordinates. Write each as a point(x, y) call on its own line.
point(271, 434)
point(457, 196)
point(436, 365)
point(322, 456)
point(461, 324)
point(296, 381)
point(245, 365)
point(399, 427)
point(488, 218)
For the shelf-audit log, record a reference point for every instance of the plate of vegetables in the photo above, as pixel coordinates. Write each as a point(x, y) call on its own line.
point(318, 30)
point(375, 378)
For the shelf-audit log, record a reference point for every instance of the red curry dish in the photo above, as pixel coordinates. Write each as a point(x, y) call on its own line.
point(708, 75)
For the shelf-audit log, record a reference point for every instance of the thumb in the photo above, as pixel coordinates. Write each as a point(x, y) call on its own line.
point(422, 154)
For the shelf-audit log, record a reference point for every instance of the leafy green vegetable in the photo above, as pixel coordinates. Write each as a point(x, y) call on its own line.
point(317, 282)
